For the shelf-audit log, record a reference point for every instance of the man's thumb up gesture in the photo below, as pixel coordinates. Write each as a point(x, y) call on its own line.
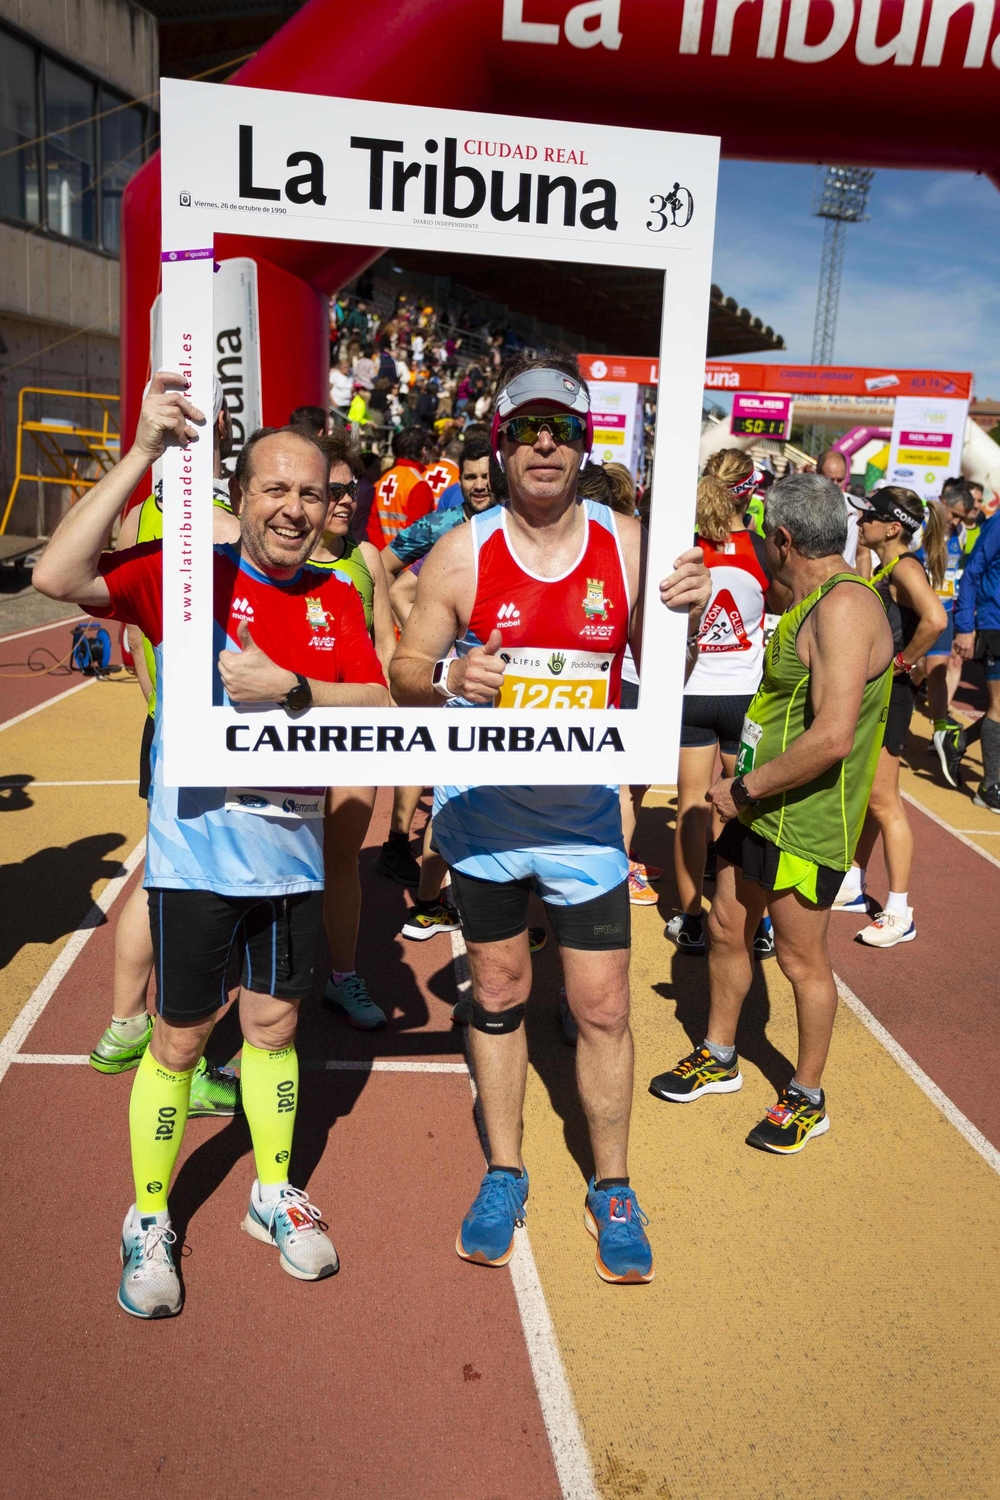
point(478, 676)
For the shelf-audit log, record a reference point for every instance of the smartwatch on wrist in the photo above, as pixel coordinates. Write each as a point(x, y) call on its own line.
point(740, 795)
point(298, 697)
point(439, 676)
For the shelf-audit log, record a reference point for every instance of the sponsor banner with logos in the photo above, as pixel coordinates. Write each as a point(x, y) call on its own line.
point(926, 444)
point(836, 380)
point(617, 407)
point(352, 172)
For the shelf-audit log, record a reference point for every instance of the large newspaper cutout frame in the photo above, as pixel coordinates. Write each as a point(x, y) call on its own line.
point(298, 166)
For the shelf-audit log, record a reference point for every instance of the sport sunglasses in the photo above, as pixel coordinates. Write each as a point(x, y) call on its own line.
point(564, 427)
point(338, 491)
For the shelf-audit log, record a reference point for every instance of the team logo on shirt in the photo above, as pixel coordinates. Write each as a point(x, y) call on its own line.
point(242, 609)
point(316, 615)
point(595, 606)
point(508, 614)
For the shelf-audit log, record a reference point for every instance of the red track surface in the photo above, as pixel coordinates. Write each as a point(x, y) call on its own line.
point(406, 1374)
point(21, 687)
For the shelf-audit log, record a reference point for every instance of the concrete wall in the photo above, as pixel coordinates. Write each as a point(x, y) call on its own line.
point(59, 303)
point(112, 38)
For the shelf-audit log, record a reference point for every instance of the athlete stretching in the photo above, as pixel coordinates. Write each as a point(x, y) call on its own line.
point(544, 574)
point(227, 869)
point(808, 752)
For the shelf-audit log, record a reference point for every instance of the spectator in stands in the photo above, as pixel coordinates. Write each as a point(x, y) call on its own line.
point(378, 403)
point(365, 368)
point(387, 366)
point(357, 321)
point(426, 405)
point(357, 412)
point(341, 386)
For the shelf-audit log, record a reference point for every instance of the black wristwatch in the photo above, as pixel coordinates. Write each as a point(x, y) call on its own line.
point(298, 697)
point(740, 795)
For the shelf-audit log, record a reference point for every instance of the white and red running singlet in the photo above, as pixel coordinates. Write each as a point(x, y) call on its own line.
point(731, 637)
point(563, 638)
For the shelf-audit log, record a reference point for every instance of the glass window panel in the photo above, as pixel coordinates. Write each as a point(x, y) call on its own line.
point(121, 155)
point(69, 153)
point(18, 123)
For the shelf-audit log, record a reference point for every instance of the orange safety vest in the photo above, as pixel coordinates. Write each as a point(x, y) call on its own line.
point(440, 475)
point(389, 510)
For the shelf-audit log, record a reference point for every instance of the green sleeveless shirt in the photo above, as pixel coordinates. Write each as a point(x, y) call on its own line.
point(822, 820)
point(352, 568)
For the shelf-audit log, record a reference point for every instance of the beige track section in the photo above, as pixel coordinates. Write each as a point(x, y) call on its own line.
point(823, 1324)
point(57, 856)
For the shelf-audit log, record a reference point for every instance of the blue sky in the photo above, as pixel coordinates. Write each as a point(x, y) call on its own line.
point(921, 283)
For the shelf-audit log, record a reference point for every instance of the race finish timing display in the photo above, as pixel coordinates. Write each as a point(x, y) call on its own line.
point(357, 173)
point(757, 415)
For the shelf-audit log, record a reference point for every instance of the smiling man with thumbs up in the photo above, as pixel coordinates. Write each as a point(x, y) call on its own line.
point(227, 868)
point(540, 598)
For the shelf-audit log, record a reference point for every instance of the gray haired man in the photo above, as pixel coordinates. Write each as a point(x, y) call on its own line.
point(794, 810)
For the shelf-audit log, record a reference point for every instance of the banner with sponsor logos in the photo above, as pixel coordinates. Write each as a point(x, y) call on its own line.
point(836, 380)
point(318, 169)
point(617, 408)
point(926, 444)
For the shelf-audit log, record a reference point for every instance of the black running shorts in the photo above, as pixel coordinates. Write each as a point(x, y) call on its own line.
point(710, 718)
point(145, 765)
point(897, 723)
point(493, 910)
point(195, 932)
point(764, 864)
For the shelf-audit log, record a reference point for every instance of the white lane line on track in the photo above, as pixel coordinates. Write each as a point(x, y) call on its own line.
point(18, 635)
point(11, 1044)
point(330, 1065)
point(955, 832)
point(387, 1065)
point(913, 1070)
point(562, 1423)
point(9, 783)
point(58, 698)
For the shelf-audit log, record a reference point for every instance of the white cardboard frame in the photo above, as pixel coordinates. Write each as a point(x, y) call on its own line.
point(200, 164)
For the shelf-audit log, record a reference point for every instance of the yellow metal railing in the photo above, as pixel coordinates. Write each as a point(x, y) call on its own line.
point(66, 446)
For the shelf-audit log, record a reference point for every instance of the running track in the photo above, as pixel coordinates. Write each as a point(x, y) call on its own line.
point(820, 1323)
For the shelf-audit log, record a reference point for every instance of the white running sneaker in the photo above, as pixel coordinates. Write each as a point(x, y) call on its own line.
point(888, 929)
point(149, 1285)
point(291, 1222)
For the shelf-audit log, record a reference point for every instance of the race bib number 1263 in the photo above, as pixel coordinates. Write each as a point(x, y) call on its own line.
point(537, 677)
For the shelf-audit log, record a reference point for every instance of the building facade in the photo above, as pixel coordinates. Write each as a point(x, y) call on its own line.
point(78, 115)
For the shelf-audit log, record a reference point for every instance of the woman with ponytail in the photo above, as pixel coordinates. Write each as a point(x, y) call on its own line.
point(890, 517)
point(725, 676)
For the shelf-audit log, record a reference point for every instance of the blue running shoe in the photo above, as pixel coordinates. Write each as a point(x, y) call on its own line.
point(617, 1223)
point(763, 939)
point(487, 1233)
point(292, 1223)
point(149, 1285)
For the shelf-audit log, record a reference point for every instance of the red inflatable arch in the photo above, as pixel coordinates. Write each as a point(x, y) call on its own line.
point(895, 83)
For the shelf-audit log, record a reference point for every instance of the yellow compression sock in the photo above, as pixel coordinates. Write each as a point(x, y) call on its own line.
point(270, 1086)
point(157, 1114)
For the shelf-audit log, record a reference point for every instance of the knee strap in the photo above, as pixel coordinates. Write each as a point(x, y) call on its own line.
point(495, 1022)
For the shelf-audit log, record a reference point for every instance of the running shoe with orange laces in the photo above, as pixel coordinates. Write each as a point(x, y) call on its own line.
point(698, 1073)
point(889, 928)
point(640, 892)
point(791, 1121)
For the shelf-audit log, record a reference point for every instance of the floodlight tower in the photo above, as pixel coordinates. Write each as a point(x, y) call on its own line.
point(841, 198)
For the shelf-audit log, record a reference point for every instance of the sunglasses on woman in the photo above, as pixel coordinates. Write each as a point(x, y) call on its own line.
point(338, 491)
point(564, 427)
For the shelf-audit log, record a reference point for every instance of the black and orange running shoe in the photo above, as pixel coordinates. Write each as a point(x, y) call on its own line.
point(790, 1122)
point(698, 1073)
